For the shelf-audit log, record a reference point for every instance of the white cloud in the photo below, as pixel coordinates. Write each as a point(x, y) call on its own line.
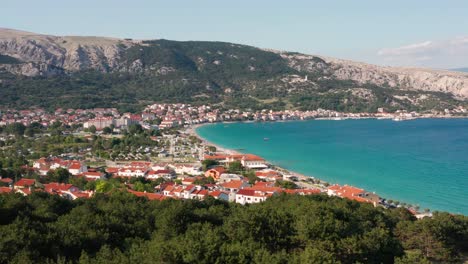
point(407, 50)
point(438, 54)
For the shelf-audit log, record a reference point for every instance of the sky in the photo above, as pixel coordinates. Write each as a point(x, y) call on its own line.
point(420, 33)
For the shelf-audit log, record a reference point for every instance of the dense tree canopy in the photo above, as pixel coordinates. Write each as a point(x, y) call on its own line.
point(122, 228)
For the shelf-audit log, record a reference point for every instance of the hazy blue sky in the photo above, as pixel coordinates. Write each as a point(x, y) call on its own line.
point(399, 32)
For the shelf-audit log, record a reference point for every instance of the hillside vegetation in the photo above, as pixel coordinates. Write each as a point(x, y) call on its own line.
point(84, 72)
point(122, 228)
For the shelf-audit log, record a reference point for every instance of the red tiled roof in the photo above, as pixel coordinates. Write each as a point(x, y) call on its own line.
point(93, 173)
point(55, 186)
point(265, 189)
point(112, 170)
point(218, 169)
point(82, 194)
point(6, 180)
point(216, 193)
point(25, 182)
point(248, 157)
point(233, 184)
point(269, 173)
point(75, 166)
point(263, 184)
point(150, 196)
point(5, 190)
point(246, 192)
point(215, 157)
point(157, 172)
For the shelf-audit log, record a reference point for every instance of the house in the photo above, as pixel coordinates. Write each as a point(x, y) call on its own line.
point(265, 188)
point(268, 175)
point(253, 162)
point(189, 169)
point(350, 192)
point(302, 191)
point(93, 175)
point(215, 172)
point(77, 167)
point(188, 180)
point(132, 172)
point(227, 177)
point(156, 174)
point(24, 183)
point(187, 191)
point(112, 170)
point(199, 194)
point(5, 190)
point(76, 195)
point(7, 181)
point(234, 186)
point(247, 160)
point(44, 165)
point(246, 196)
point(220, 195)
point(150, 196)
point(25, 191)
point(55, 187)
point(160, 166)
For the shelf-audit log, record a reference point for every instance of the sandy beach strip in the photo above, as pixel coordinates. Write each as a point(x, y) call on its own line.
point(192, 130)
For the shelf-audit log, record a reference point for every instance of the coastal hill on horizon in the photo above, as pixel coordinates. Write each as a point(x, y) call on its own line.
point(191, 71)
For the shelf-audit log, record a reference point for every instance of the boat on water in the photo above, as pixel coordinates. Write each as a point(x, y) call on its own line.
point(266, 139)
point(399, 118)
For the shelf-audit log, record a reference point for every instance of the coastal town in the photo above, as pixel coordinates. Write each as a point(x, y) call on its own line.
point(175, 163)
point(177, 115)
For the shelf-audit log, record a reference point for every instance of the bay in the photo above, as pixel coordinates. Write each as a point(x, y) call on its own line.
point(422, 162)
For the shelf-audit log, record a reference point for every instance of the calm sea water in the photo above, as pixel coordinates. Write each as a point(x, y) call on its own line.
point(423, 162)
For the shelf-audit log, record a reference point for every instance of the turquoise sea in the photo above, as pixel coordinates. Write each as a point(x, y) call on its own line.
point(423, 162)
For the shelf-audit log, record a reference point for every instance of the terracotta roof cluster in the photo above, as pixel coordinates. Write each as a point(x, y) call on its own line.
point(5, 190)
point(150, 196)
point(25, 182)
point(349, 192)
point(246, 157)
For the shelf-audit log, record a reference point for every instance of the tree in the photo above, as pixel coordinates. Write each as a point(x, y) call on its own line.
point(92, 129)
point(16, 129)
point(103, 186)
point(286, 184)
point(235, 167)
point(211, 148)
point(135, 129)
point(59, 175)
point(79, 182)
point(107, 130)
point(29, 132)
point(206, 164)
point(204, 181)
point(251, 176)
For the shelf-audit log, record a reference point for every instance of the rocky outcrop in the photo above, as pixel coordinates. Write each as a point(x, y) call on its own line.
point(69, 53)
point(402, 78)
point(32, 69)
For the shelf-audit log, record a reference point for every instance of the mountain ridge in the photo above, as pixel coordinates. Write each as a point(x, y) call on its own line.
point(220, 70)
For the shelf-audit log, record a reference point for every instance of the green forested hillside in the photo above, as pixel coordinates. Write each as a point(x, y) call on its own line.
point(227, 74)
point(122, 228)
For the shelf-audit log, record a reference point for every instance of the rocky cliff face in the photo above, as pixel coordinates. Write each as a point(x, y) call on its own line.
point(69, 53)
point(403, 78)
point(455, 83)
point(47, 55)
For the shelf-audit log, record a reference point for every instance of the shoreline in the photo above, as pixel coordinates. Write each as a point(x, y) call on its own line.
point(301, 177)
point(303, 180)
